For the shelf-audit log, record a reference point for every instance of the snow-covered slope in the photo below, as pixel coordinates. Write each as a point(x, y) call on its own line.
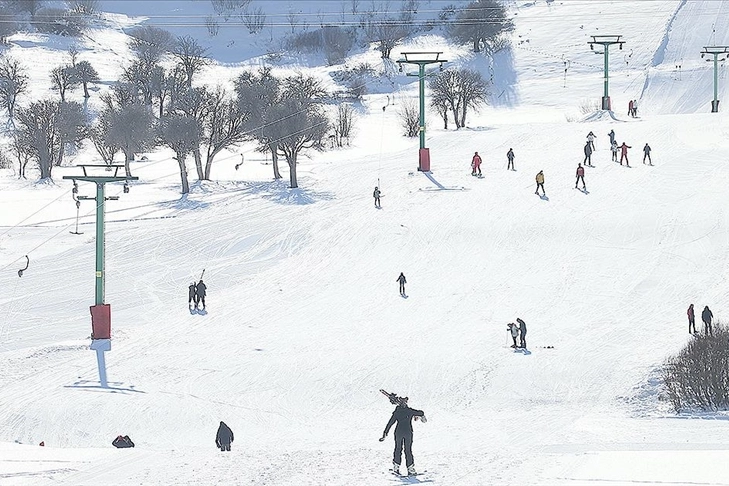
point(304, 322)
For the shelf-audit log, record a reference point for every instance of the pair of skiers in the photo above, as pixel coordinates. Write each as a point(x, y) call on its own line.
point(519, 331)
point(476, 165)
point(196, 294)
point(633, 108)
point(706, 316)
point(403, 416)
point(224, 437)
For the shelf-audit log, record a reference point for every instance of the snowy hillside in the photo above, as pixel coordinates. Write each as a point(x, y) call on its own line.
point(304, 323)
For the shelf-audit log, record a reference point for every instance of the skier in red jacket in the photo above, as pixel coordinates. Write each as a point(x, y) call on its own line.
point(476, 164)
point(691, 319)
point(624, 154)
point(580, 176)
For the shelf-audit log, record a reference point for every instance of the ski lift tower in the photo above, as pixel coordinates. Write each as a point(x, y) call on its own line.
point(605, 41)
point(716, 51)
point(422, 59)
point(101, 312)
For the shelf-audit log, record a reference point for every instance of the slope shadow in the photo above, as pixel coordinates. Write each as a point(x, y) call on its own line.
point(544, 197)
point(113, 387)
point(438, 185)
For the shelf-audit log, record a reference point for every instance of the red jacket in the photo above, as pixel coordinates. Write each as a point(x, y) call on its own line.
point(476, 161)
point(690, 313)
point(624, 149)
point(580, 171)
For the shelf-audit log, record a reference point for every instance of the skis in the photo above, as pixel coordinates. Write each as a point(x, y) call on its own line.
point(394, 399)
point(405, 476)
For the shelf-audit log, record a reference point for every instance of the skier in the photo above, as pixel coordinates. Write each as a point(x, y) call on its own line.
point(614, 149)
point(522, 333)
point(580, 176)
point(402, 281)
point(624, 154)
point(122, 442)
point(611, 134)
point(591, 140)
point(692, 321)
point(201, 288)
point(377, 195)
point(635, 108)
point(630, 108)
point(510, 158)
point(540, 183)
point(192, 294)
point(706, 316)
point(476, 164)
point(514, 330)
point(224, 437)
point(588, 154)
point(403, 415)
point(647, 153)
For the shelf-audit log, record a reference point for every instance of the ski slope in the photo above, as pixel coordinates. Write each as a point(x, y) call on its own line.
point(304, 323)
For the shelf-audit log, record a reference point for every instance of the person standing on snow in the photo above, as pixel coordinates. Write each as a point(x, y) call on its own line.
point(624, 154)
point(591, 140)
point(611, 134)
point(580, 176)
point(635, 108)
point(706, 316)
point(514, 330)
point(691, 319)
point(403, 415)
point(540, 183)
point(510, 158)
point(614, 149)
point(224, 437)
point(630, 108)
point(192, 294)
point(522, 333)
point(201, 291)
point(377, 195)
point(476, 164)
point(588, 154)
point(402, 281)
point(647, 153)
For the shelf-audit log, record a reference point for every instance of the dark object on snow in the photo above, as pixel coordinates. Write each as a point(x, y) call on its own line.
point(403, 415)
point(192, 294)
point(394, 399)
point(42, 444)
point(27, 264)
point(402, 281)
point(522, 333)
point(647, 154)
point(514, 330)
point(706, 316)
point(224, 437)
point(540, 183)
point(376, 194)
point(510, 159)
point(122, 442)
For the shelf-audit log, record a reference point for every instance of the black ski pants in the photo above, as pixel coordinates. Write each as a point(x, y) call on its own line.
point(540, 184)
point(403, 441)
point(647, 155)
point(522, 339)
point(587, 160)
point(582, 178)
point(510, 165)
point(402, 288)
point(692, 323)
point(200, 299)
point(377, 202)
point(707, 328)
point(225, 447)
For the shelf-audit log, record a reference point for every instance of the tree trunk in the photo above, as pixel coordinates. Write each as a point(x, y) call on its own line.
point(444, 114)
point(463, 117)
point(86, 90)
point(128, 157)
point(198, 164)
point(209, 162)
point(292, 171)
point(476, 45)
point(61, 151)
point(183, 174)
point(274, 159)
point(45, 165)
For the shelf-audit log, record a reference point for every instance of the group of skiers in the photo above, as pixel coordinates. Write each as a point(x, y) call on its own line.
point(706, 316)
point(196, 294)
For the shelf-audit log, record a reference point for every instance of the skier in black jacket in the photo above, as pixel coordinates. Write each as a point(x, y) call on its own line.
point(402, 281)
point(201, 290)
point(192, 294)
point(522, 333)
point(706, 316)
point(403, 415)
point(224, 437)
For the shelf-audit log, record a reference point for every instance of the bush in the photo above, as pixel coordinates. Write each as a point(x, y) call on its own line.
point(590, 106)
point(58, 21)
point(698, 377)
point(410, 119)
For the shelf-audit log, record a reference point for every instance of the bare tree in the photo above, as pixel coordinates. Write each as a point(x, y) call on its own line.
point(343, 124)
point(63, 79)
point(73, 54)
point(13, 82)
point(223, 127)
point(150, 43)
point(190, 55)
point(254, 20)
point(139, 74)
point(383, 28)
point(459, 89)
point(257, 94)
point(481, 23)
point(85, 73)
point(19, 147)
point(410, 118)
point(86, 7)
point(45, 127)
point(105, 145)
point(163, 84)
point(192, 103)
point(181, 134)
point(131, 128)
